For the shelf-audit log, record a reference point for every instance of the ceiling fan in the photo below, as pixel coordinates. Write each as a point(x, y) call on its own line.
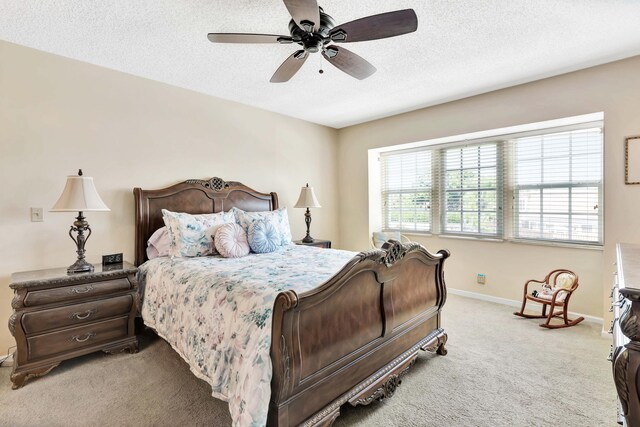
point(315, 31)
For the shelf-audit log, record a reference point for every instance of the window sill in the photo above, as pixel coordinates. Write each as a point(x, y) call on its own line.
point(558, 244)
point(514, 241)
point(477, 238)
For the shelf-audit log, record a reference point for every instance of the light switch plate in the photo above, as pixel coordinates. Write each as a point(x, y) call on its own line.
point(36, 215)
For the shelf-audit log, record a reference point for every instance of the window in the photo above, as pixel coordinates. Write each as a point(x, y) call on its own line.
point(472, 196)
point(406, 191)
point(558, 186)
point(550, 181)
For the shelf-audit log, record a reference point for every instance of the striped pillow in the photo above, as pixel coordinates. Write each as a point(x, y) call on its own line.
point(263, 236)
point(231, 241)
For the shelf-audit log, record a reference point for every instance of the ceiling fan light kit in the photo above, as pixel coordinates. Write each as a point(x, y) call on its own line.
point(315, 31)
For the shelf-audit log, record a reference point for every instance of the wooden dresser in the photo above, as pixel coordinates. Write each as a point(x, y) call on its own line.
point(58, 316)
point(625, 351)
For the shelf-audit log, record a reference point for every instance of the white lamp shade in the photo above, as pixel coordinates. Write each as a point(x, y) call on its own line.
point(307, 199)
point(79, 195)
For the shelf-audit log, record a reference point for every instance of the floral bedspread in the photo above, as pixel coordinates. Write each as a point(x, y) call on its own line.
point(216, 313)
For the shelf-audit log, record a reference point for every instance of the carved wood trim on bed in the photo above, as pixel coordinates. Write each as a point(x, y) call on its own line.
point(194, 196)
point(350, 340)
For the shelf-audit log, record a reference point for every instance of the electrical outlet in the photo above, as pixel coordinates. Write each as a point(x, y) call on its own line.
point(36, 215)
point(481, 279)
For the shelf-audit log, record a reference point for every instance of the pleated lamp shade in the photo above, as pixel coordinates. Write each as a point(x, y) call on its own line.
point(79, 195)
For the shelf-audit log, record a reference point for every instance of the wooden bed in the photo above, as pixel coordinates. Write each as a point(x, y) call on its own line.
point(349, 340)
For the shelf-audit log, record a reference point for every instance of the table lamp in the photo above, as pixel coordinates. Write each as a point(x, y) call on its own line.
point(79, 195)
point(307, 200)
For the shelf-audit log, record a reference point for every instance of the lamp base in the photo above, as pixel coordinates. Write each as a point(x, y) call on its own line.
point(308, 239)
point(80, 266)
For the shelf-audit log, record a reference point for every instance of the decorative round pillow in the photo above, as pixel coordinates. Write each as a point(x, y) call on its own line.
point(231, 241)
point(263, 237)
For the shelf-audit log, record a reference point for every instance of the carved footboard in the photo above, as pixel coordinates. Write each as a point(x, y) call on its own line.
point(353, 338)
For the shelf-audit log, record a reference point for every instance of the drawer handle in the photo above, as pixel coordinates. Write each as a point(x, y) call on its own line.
point(81, 291)
point(82, 316)
point(88, 336)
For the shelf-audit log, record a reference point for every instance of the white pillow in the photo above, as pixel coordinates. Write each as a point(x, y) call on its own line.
point(231, 241)
point(159, 244)
point(191, 235)
point(279, 218)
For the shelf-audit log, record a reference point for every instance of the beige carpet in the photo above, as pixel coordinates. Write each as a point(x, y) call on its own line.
point(500, 371)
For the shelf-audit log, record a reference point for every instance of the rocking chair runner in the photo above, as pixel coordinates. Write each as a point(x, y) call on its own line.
point(557, 289)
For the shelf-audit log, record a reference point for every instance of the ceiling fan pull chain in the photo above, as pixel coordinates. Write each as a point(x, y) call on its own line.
point(321, 71)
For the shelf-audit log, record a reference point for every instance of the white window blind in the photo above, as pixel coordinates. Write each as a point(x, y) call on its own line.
point(406, 190)
point(550, 182)
point(471, 190)
point(557, 186)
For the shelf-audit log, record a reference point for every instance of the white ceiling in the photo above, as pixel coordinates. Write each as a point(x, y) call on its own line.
point(461, 48)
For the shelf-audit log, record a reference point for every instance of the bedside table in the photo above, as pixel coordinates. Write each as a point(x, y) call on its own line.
point(317, 243)
point(58, 316)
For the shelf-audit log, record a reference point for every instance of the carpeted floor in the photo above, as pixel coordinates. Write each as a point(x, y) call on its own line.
point(500, 371)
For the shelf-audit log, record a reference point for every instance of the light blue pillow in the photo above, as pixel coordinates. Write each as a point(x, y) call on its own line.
point(279, 218)
point(263, 236)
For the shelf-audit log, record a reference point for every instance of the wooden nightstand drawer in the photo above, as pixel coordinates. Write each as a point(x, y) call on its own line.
point(69, 293)
point(44, 320)
point(77, 338)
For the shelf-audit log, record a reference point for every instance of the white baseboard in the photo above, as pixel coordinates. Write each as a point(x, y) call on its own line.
point(514, 303)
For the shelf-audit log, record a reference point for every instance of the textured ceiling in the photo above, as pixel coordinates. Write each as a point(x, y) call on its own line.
point(461, 48)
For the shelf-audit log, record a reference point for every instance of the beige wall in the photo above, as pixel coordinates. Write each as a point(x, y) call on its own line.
point(58, 115)
point(613, 89)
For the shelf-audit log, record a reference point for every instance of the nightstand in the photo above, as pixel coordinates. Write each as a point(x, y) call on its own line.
point(317, 243)
point(59, 316)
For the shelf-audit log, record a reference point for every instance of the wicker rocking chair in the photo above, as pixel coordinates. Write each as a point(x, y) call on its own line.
point(556, 291)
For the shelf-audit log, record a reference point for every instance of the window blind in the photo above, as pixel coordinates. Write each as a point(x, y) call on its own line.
point(549, 182)
point(471, 189)
point(557, 186)
point(406, 190)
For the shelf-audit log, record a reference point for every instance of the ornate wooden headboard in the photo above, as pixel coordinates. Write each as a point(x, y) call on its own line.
point(194, 196)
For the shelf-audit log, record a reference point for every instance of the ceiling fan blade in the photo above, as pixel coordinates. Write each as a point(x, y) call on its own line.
point(349, 62)
point(289, 67)
point(305, 13)
point(375, 27)
point(247, 38)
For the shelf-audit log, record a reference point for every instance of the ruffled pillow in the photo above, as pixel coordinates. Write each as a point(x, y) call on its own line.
point(191, 235)
point(231, 241)
point(263, 237)
point(279, 217)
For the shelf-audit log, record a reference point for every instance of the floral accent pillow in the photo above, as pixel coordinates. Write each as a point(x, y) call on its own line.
point(192, 235)
point(279, 218)
point(231, 241)
point(263, 236)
